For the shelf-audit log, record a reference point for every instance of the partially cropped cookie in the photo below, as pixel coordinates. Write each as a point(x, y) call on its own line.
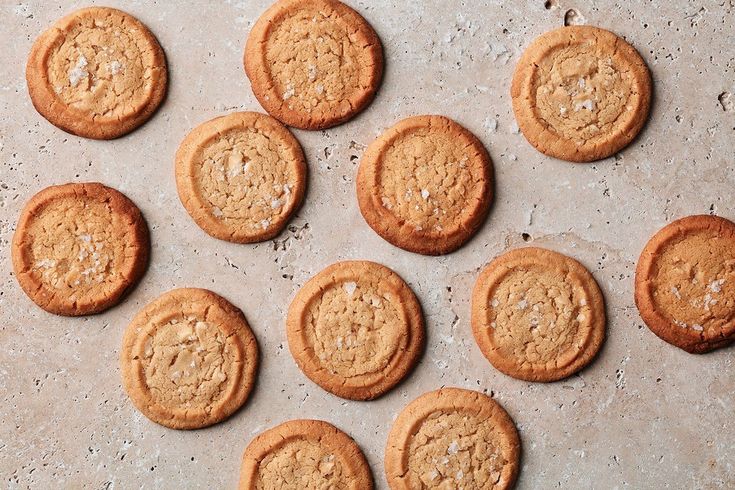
point(537, 315)
point(304, 455)
point(356, 329)
point(581, 93)
point(188, 359)
point(78, 248)
point(241, 176)
point(685, 283)
point(453, 438)
point(97, 73)
point(425, 185)
point(313, 64)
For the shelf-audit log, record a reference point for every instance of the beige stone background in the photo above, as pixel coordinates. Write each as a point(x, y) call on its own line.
point(643, 415)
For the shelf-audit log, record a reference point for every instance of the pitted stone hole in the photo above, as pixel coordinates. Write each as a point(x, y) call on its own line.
point(526, 237)
point(550, 4)
point(725, 98)
point(573, 18)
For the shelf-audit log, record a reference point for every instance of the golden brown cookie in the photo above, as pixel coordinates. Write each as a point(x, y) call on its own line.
point(452, 438)
point(685, 283)
point(188, 359)
point(304, 455)
point(78, 248)
point(241, 176)
point(537, 315)
point(580, 93)
point(313, 64)
point(97, 73)
point(425, 185)
point(356, 329)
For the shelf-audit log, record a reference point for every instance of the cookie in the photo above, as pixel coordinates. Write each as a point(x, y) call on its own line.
point(313, 64)
point(97, 73)
point(356, 329)
point(78, 248)
point(241, 176)
point(188, 359)
point(685, 283)
point(425, 185)
point(537, 315)
point(580, 93)
point(452, 438)
point(304, 455)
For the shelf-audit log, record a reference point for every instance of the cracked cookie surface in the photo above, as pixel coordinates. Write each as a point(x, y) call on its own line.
point(97, 73)
point(241, 176)
point(537, 315)
point(452, 438)
point(304, 454)
point(313, 64)
point(188, 359)
point(580, 93)
point(685, 283)
point(355, 329)
point(425, 185)
point(78, 248)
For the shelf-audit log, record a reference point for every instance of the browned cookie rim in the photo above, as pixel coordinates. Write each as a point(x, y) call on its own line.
point(134, 267)
point(365, 386)
point(495, 272)
point(75, 121)
point(187, 159)
point(395, 230)
point(229, 319)
point(257, 67)
point(409, 421)
point(327, 435)
point(536, 130)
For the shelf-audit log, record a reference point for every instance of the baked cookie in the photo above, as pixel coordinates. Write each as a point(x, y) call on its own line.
point(313, 64)
point(97, 73)
point(304, 455)
point(188, 359)
point(685, 283)
point(537, 315)
point(78, 248)
point(355, 329)
point(452, 438)
point(580, 93)
point(241, 176)
point(425, 185)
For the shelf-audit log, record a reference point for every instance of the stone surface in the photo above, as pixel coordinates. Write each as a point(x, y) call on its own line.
point(644, 414)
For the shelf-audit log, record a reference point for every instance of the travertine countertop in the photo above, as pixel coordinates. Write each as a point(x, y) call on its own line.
point(644, 414)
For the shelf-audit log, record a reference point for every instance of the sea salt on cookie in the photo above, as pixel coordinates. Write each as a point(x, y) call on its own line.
point(241, 176)
point(188, 359)
point(452, 438)
point(313, 64)
point(685, 283)
point(304, 455)
point(425, 185)
point(97, 73)
point(537, 315)
point(79, 247)
point(580, 93)
point(355, 329)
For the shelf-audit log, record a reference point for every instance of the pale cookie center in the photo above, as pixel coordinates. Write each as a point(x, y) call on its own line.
point(455, 450)
point(301, 464)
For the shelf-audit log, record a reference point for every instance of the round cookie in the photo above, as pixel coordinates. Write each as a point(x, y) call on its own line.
point(580, 93)
point(304, 455)
point(452, 438)
point(241, 176)
point(313, 64)
point(188, 359)
point(78, 248)
point(685, 283)
point(97, 73)
point(537, 315)
point(355, 329)
point(425, 185)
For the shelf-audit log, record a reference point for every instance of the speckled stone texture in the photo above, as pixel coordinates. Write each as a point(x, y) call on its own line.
point(644, 414)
